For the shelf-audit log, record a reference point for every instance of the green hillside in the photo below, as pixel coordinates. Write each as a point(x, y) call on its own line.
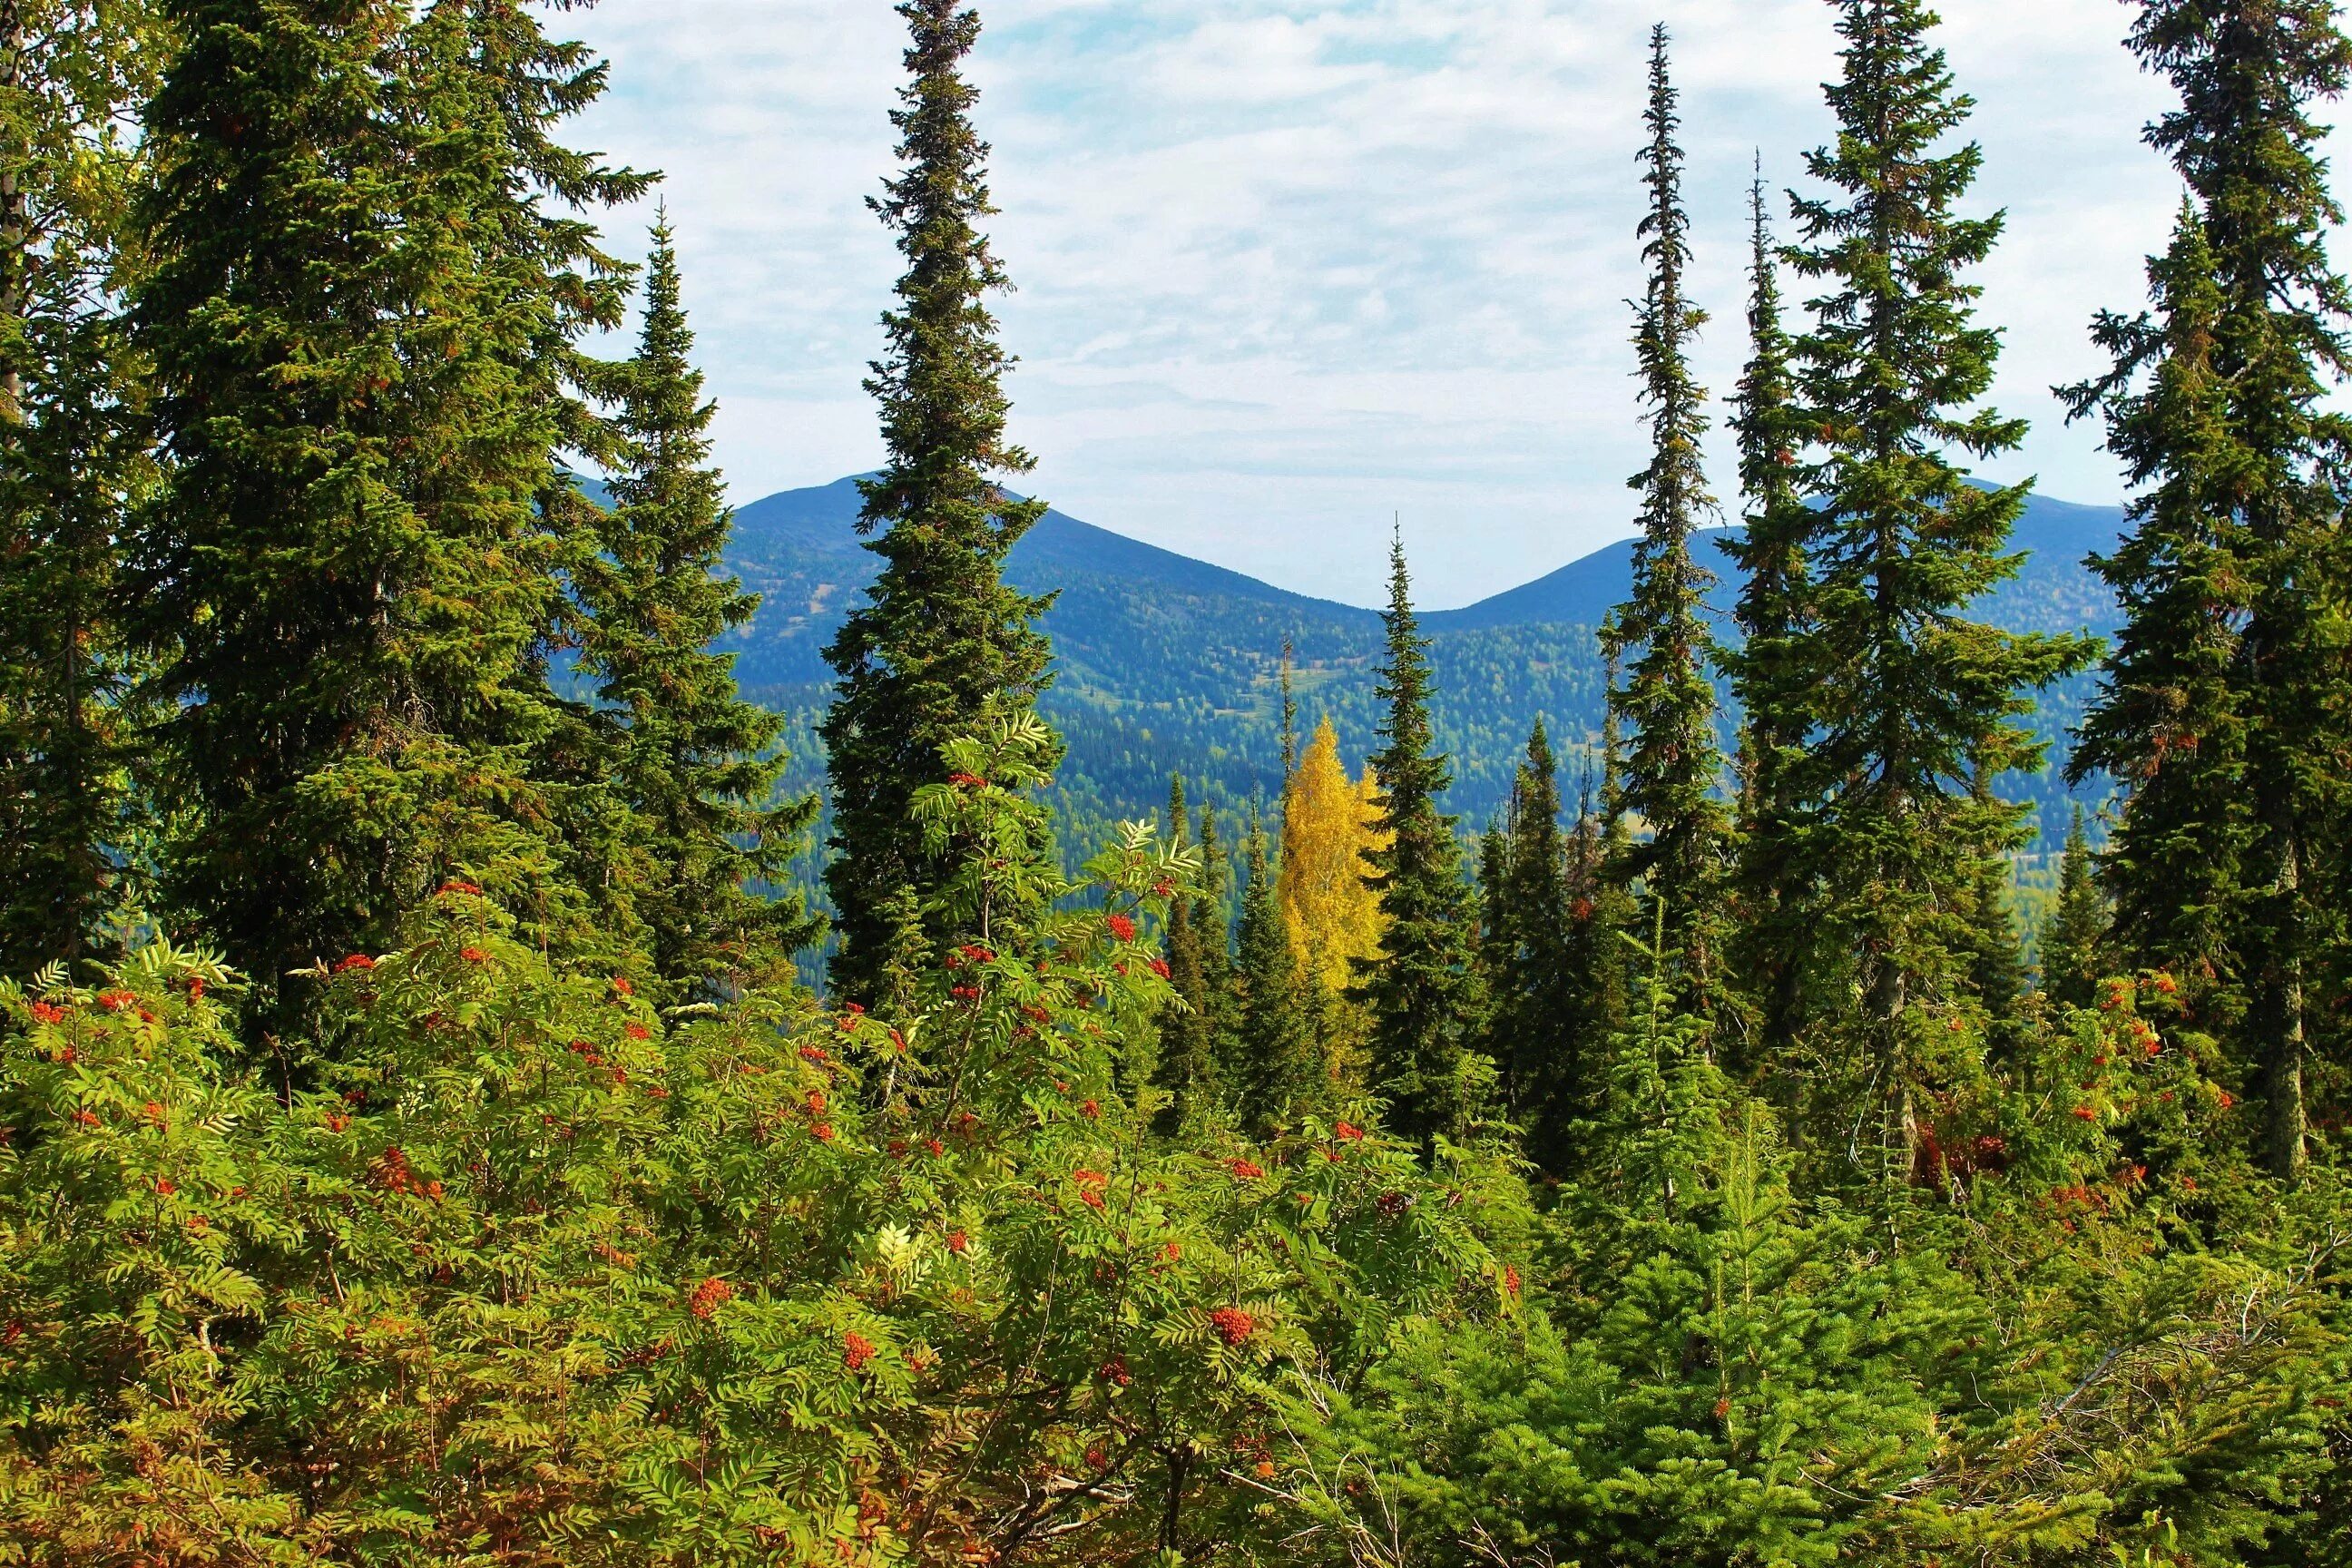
point(1168, 664)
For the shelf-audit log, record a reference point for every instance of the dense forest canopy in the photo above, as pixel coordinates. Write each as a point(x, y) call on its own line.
point(1025, 1049)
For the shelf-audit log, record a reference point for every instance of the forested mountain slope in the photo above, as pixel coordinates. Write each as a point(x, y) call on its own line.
point(1167, 663)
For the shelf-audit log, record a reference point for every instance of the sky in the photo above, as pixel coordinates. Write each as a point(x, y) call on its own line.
point(1288, 271)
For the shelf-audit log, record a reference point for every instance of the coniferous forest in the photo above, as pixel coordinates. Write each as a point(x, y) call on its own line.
point(420, 1142)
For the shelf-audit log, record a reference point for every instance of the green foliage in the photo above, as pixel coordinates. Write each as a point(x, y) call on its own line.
point(1186, 1072)
point(537, 1271)
point(72, 859)
point(1420, 989)
point(2074, 943)
point(2234, 577)
point(1765, 678)
point(696, 764)
point(347, 575)
point(1544, 1021)
point(1672, 767)
point(939, 637)
point(1905, 702)
point(2042, 1361)
point(1270, 1066)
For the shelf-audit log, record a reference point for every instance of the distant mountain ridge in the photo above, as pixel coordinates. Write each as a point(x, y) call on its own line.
point(1166, 663)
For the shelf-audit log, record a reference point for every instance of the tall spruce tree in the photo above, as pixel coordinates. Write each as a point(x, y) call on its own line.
point(1538, 1009)
point(2225, 864)
point(2072, 950)
point(1770, 550)
point(697, 765)
point(940, 636)
point(72, 463)
point(350, 575)
point(1907, 699)
point(1672, 766)
point(1419, 988)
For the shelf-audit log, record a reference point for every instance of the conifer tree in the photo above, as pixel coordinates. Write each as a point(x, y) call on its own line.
point(2234, 578)
point(1187, 1066)
point(350, 575)
point(2074, 941)
point(940, 636)
point(1274, 1068)
point(1539, 1010)
point(1770, 550)
point(1419, 989)
point(697, 764)
point(1992, 947)
point(1907, 698)
point(71, 465)
point(1672, 766)
point(1289, 716)
point(1494, 919)
point(1333, 918)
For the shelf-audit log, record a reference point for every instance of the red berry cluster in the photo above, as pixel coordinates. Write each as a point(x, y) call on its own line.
point(1232, 1324)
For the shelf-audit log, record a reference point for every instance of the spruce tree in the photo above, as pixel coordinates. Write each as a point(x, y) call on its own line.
point(1274, 1068)
point(1992, 947)
point(1672, 767)
point(1770, 548)
point(2072, 947)
point(1539, 1010)
point(1418, 989)
point(1211, 919)
point(1907, 697)
point(1187, 1066)
point(72, 464)
point(1495, 932)
point(697, 765)
point(2224, 865)
point(349, 576)
point(940, 636)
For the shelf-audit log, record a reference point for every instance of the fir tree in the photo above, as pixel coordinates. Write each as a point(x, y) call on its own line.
point(2074, 941)
point(1289, 716)
point(1494, 921)
point(1992, 948)
point(1211, 919)
point(1770, 550)
point(2234, 578)
point(1187, 1065)
point(72, 464)
point(1907, 698)
point(1672, 768)
point(1539, 1008)
point(697, 764)
point(1274, 1070)
point(1418, 989)
point(940, 636)
point(350, 575)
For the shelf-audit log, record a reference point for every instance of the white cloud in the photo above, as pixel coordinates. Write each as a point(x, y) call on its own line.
point(1288, 267)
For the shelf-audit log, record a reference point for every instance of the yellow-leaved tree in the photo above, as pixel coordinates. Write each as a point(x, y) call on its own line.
point(1327, 824)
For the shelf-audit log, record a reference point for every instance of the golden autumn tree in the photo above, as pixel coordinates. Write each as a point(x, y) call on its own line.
point(1327, 824)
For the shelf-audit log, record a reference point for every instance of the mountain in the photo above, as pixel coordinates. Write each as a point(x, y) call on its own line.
point(1166, 663)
